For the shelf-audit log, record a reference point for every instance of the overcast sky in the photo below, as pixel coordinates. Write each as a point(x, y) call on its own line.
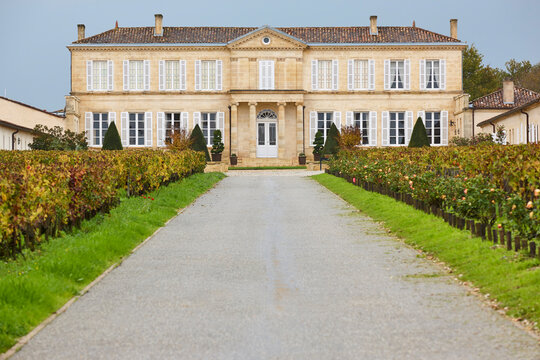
point(34, 61)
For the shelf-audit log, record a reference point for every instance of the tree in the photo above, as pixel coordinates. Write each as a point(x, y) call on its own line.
point(419, 136)
point(318, 143)
point(332, 141)
point(111, 140)
point(478, 79)
point(56, 138)
point(517, 71)
point(199, 142)
point(217, 144)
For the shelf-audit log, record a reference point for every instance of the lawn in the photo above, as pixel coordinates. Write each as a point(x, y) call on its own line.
point(510, 278)
point(36, 284)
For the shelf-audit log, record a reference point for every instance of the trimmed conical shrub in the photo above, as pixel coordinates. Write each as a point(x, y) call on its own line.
point(112, 140)
point(318, 143)
point(419, 136)
point(331, 146)
point(199, 143)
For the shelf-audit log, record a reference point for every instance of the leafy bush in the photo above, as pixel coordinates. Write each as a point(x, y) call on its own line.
point(198, 142)
point(42, 192)
point(332, 141)
point(180, 140)
point(57, 138)
point(111, 140)
point(419, 136)
point(350, 138)
point(217, 144)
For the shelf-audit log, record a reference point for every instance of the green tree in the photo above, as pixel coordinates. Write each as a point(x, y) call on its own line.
point(199, 142)
point(332, 141)
point(479, 79)
point(111, 140)
point(419, 136)
point(318, 143)
point(517, 70)
point(217, 144)
point(56, 138)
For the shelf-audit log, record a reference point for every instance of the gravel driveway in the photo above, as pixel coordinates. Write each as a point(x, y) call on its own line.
point(277, 267)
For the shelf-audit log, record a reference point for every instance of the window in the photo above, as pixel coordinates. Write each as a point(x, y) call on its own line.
point(173, 123)
point(100, 124)
point(433, 127)
point(208, 74)
point(432, 74)
point(360, 74)
point(397, 74)
point(324, 122)
point(324, 75)
point(397, 128)
point(266, 75)
point(136, 129)
point(172, 75)
point(136, 75)
point(99, 75)
point(208, 126)
point(361, 121)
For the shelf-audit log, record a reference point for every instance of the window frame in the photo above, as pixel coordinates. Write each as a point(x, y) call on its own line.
point(432, 127)
point(101, 130)
point(362, 129)
point(433, 73)
point(214, 83)
point(328, 77)
point(101, 76)
point(397, 136)
point(137, 129)
point(356, 75)
point(395, 64)
point(133, 75)
point(209, 137)
point(327, 123)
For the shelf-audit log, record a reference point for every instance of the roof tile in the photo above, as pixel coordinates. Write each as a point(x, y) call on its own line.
point(495, 99)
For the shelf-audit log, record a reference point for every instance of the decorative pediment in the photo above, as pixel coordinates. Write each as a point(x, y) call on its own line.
point(266, 38)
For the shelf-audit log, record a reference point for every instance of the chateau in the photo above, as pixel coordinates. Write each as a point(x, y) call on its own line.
point(269, 90)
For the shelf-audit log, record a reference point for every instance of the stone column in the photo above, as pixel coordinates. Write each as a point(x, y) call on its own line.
point(253, 129)
point(300, 128)
point(234, 129)
point(281, 129)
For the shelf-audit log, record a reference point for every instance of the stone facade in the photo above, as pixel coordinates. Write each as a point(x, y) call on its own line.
point(246, 88)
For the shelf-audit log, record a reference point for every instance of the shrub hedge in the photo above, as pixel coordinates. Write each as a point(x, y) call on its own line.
point(43, 192)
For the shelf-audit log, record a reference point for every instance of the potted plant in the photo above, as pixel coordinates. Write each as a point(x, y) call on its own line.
point(234, 159)
point(217, 146)
point(318, 145)
point(302, 159)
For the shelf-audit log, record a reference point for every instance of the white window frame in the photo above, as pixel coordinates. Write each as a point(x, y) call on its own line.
point(100, 128)
point(140, 77)
point(219, 125)
point(391, 64)
point(266, 75)
point(91, 68)
point(208, 84)
point(331, 75)
point(407, 127)
point(167, 80)
point(137, 129)
point(424, 75)
point(368, 67)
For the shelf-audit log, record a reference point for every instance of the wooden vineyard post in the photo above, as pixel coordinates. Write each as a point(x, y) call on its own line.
point(532, 249)
point(495, 232)
point(508, 240)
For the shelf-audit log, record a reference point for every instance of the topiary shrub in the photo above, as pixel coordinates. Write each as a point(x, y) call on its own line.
point(419, 135)
point(217, 144)
point(199, 142)
point(332, 141)
point(112, 140)
point(318, 143)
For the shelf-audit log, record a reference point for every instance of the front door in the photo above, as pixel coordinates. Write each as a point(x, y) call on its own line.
point(267, 140)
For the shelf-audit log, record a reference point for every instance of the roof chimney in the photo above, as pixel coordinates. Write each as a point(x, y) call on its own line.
point(80, 31)
point(159, 25)
point(453, 28)
point(508, 92)
point(373, 25)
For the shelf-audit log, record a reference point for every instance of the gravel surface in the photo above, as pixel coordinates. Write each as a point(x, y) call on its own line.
point(277, 267)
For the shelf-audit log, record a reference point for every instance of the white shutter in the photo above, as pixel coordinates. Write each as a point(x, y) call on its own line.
point(198, 75)
point(337, 119)
point(422, 115)
point(88, 127)
point(262, 77)
point(372, 128)
point(197, 119)
point(219, 77)
point(148, 128)
point(349, 118)
point(312, 126)
point(221, 123)
point(126, 75)
point(350, 74)
point(110, 75)
point(314, 74)
point(161, 75)
point(147, 76)
point(335, 74)
point(371, 74)
point(184, 120)
point(385, 120)
point(182, 74)
point(407, 85)
point(408, 126)
point(442, 74)
point(386, 75)
point(160, 128)
point(444, 127)
point(422, 74)
point(89, 77)
point(112, 118)
point(124, 126)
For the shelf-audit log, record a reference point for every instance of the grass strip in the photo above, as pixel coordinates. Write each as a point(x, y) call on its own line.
point(36, 284)
point(512, 279)
point(266, 167)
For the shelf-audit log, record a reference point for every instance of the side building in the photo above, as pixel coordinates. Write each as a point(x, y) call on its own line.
point(269, 90)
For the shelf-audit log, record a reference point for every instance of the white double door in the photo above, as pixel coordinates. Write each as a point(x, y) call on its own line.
point(267, 146)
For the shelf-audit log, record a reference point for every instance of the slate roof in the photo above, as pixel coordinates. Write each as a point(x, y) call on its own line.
point(494, 100)
point(220, 35)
